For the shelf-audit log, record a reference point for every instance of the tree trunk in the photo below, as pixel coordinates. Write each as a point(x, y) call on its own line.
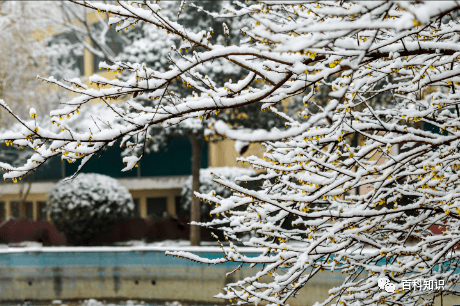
point(195, 210)
point(23, 195)
point(355, 143)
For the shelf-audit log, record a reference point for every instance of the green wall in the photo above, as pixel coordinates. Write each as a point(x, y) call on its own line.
point(173, 159)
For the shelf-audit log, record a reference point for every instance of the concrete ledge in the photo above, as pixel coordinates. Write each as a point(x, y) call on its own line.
point(164, 284)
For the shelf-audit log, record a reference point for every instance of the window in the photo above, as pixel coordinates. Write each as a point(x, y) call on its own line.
point(180, 212)
point(15, 209)
point(42, 214)
point(2, 211)
point(137, 212)
point(156, 206)
point(29, 210)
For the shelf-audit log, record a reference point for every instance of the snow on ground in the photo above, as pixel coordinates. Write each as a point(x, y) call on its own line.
point(175, 243)
point(94, 302)
point(131, 246)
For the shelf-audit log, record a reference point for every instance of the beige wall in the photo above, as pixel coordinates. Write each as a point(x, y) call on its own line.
point(223, 153)
point(88, 61)
point(142, 195)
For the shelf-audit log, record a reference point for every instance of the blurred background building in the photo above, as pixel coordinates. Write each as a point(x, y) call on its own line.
point(155, 185)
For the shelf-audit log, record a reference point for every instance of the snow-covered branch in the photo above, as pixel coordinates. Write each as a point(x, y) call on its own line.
point(393, 75)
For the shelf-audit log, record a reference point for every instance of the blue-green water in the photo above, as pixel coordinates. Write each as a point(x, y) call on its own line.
point(105, 259)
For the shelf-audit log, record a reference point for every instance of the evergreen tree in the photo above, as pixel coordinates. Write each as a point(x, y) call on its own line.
point(158, 49)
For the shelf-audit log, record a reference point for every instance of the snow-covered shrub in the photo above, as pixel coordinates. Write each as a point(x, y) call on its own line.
point(208, 185)
point(89, 205)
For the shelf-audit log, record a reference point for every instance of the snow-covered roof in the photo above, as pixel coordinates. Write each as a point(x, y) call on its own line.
point(158, 182)
point(38, 187)
point(144, 183)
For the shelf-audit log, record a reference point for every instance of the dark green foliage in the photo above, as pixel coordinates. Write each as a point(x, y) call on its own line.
point(89, 205)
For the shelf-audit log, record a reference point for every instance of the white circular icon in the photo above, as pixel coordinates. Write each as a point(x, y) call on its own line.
point(382, 282)
point(389, 287)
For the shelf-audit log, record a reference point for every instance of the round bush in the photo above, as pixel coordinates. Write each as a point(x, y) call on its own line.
point(89, 205)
